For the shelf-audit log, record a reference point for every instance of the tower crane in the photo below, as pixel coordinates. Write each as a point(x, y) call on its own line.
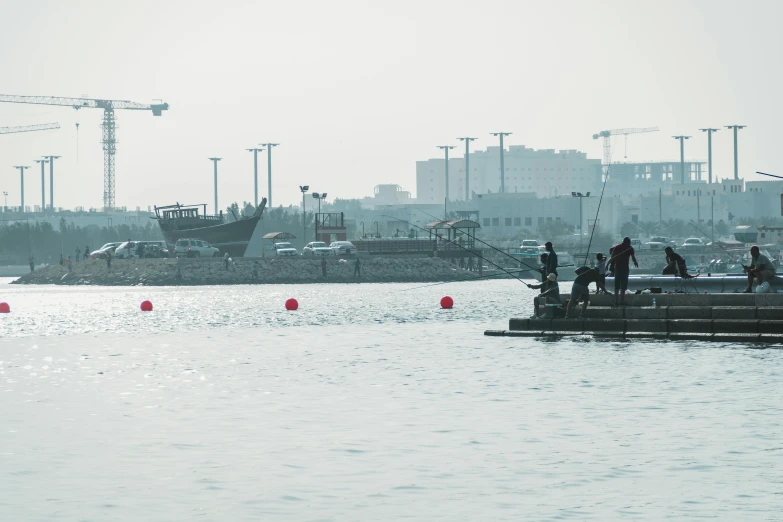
point(108, 140)
point(29, 128)
point(607, 134)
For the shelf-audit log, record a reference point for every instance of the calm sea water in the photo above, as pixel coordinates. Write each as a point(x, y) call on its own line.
point(368, 403)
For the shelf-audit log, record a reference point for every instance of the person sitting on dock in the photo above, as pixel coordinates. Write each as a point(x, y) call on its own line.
point(760, 269)
point(580, 291)
point(550, 294)
point(551, 260)
point(621, 254)
point(675, 264)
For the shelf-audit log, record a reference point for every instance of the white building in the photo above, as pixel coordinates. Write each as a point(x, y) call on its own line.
point(545, 173)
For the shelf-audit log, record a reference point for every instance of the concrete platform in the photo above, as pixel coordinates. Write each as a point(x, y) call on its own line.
point(745, 338)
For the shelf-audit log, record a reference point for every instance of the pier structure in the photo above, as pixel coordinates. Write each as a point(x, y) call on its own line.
point(745, 318)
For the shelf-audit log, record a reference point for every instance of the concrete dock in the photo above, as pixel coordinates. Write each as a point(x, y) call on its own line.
point(746, 318)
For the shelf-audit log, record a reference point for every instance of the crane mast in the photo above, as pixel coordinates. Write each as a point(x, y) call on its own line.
point(108, 126)
point(29, 128)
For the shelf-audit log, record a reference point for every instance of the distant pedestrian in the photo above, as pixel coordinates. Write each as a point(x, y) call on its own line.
point(621, 254)
point(600, 283)
point(551, 260)
point(86, 252)
point(70, 264)
point(108, 260)
point(32, 264)
point(78, 253)
point(226, 260)
point(62, 260)
point(470, 264)
point(255, 269)
point(323, 267)
point(357, 268)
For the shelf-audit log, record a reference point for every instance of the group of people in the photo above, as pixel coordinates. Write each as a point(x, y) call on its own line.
point(620, 257)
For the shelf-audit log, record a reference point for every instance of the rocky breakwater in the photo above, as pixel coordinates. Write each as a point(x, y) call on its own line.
point(213, 271)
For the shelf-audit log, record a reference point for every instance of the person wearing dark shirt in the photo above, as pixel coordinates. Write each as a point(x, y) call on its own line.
point(675, 264)
point(551, 260)
point(760, 269)
point(621, 255)
point(542, 270)
point(580, 290)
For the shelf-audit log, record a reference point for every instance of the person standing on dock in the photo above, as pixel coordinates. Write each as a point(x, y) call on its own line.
point(108, 260)
point(551, 260)
point(86, 251)
point(357, 268)
point(760, 269)
point(621, 255)
point(600, 283)
point(543, 267)
point(32, 264)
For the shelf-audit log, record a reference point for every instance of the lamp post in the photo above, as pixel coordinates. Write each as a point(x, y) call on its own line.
point(43, 163)
point(304, 189)
point(255, 152)
point(51, 180)
point(736, 128)
point(377, 232)
point(21, 177)
point(215, 162)
point(467, 165)
point(364, 236)
point(682, 156)
point(446, 148)
point(502, 169)
point(319, 197)
point(269, 169)
point(709, 151)
point(5, 205)
point(580, 196)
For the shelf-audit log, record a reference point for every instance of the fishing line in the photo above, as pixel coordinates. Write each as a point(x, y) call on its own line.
point(608, 167)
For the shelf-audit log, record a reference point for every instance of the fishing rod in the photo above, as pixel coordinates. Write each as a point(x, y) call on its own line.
point(460, 246)
point(487, 244)
point(460, 281)
point(770, 175)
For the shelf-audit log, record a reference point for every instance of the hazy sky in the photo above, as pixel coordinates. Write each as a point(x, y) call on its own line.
point(356, 92)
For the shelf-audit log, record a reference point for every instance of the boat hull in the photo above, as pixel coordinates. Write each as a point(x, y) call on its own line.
point(232, 238)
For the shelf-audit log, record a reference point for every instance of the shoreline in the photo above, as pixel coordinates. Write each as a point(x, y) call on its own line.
point(212, 271)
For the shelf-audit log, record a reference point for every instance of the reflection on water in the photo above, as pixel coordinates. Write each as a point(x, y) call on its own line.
point(369, 403)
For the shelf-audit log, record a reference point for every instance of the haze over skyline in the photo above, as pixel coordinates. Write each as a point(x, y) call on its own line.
point(357, 92)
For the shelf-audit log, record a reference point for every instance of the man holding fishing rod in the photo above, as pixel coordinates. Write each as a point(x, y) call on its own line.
point(760, 268)
point(621, 254)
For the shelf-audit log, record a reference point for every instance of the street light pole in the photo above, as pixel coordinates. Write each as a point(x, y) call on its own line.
point(215, 162)
point(304, 189)
point(21, 177)
point(467, 165)
point(255, 152)
point(502, 166)
point(5, 206)
point(319, 197)
point(43, 163)
point(51, 180)
point(736, 128)
point(580, 196)
point(709, 151)
point(446, 148)
point(269, 169)
point(682, 156)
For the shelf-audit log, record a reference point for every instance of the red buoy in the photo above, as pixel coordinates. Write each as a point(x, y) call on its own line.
point(291, 304)
point(446, 302)
point(146, 306)
point(4, 308)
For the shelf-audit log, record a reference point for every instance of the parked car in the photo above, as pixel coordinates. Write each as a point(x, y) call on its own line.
point(693, 242)
point(194, 248)
point(657, 243)
point(126, 250)
point(102, 252)
point(317, 248)
point(529, 243)
point(342, 248)
point(156, 249)
point(285, 249)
